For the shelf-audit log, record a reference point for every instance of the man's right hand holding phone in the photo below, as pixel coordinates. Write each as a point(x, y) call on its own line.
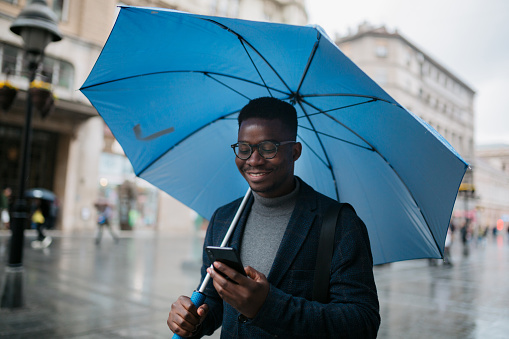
point(245, 294)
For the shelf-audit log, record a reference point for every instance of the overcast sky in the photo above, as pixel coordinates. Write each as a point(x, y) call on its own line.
point(468, 37)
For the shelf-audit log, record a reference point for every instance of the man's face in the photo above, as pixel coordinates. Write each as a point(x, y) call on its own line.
point(270, 178)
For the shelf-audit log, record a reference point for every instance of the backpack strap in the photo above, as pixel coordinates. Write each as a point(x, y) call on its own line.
point(324, 254)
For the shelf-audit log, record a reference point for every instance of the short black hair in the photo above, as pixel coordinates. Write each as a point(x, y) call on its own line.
point(271, 109)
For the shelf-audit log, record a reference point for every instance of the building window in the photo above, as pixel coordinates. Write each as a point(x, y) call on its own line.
point(58, 72)
point(408, 58)
point(381, 51)
point(61, 9)
point(424, 69)
point(48, 67)
point(9, 55)
point(55, 71)
point(65, 74)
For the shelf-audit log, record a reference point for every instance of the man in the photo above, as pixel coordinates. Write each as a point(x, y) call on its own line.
point(277, 237)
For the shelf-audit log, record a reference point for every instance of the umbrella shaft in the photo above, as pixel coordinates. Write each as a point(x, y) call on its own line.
point(228, 235)
point(236, 218)
point(204, 283)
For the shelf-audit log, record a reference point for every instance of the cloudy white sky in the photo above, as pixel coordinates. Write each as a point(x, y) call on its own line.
point(469, 37)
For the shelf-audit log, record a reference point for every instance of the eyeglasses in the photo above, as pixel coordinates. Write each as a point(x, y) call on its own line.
point(267, 149)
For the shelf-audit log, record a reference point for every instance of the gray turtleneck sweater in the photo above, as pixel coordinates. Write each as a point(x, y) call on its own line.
point(265, 227)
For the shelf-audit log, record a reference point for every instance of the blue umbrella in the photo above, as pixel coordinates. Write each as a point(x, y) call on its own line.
point(170, 85)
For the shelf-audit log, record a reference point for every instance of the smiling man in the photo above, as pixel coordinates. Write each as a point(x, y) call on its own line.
point(267, 173)
point(277, 237)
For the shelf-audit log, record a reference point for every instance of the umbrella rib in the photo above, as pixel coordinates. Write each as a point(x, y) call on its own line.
point(385, 159)
point(339, 139)
point(342, 107)
point(243, 40)
point(225, 85)
point(339, 122)
point(256, 68)
point(207, 73)
point(240, 79)
point(315, 153)
point(350, 95)
point(328, 163)
point(310, 59)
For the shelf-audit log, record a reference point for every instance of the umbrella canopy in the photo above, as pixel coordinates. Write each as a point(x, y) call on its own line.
point(170, 86)
point(40, 193)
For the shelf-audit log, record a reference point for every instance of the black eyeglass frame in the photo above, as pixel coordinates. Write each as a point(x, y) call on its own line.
point(257, 146)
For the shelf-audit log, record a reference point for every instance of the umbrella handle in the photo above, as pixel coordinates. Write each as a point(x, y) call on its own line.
point(198, 299)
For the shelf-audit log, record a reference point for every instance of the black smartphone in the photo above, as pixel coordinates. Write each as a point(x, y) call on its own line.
point(227, 256)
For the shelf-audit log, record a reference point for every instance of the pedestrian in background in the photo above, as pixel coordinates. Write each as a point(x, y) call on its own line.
point(39, 221)
point(447, 248)
point(5, 217)
point(104, 213)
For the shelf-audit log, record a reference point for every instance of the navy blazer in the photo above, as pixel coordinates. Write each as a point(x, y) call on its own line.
point(288, 311)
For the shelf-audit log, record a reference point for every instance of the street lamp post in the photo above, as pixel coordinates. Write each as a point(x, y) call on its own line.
point(37, 25)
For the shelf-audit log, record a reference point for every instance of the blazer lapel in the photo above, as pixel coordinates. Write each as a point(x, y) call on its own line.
point(296, 232)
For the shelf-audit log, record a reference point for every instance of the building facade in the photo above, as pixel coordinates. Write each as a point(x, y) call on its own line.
point(67, 143)
point(423, 86)
point(492, 186)
point(73, 152)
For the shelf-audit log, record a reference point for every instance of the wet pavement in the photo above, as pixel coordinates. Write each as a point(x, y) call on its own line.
point(75, 289)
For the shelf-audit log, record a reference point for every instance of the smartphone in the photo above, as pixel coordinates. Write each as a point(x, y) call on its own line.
point(227, 256)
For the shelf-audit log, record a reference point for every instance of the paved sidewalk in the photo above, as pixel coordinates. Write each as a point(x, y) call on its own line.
point(75, 289)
